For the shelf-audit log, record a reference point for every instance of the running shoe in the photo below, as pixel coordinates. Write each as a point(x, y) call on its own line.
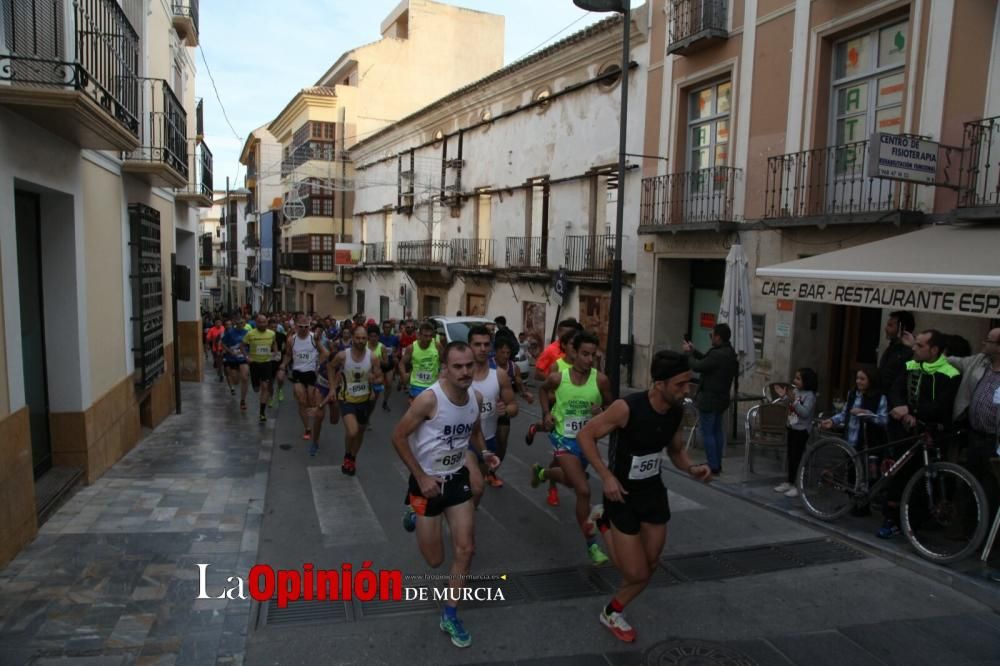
point(537, 475)
point(888, 530)
point(348, 467)
point(385, 406)
point(529, 438)
point(232, 391)
point(553, 497)
point(783, 487)
point(409, 520)
point(494, 480)
point(597, 556)
point(243, 405)
point(306, 435)
point(313, 449)
point(281, 395)
point(262, 418)
point(271, 403)
point(616, 623)
point(453, 627)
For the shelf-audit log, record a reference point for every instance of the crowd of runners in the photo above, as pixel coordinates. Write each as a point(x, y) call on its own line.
point(454, 435)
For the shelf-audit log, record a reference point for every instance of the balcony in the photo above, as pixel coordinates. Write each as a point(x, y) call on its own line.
point(305, 261)
point(72, 72)
point(199, 190)
point(162, 155)
point(199, 120)
point(472, 253)
point(423, 254)
point(828, 185)
point(527, 253)
point(185, 20)
point(696, 25)
point(378, 254)
point(701, 199)
point(590, 256)
point(979, 183)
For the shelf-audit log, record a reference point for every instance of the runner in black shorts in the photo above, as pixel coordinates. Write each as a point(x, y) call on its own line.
point(636, 511)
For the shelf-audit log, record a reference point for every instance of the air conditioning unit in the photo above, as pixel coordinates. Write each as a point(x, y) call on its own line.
point(340, 289)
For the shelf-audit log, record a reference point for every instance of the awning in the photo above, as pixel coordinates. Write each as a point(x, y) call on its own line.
point(945, 269)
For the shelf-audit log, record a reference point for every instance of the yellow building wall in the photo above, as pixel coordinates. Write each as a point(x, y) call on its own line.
point(158, 39)
point(102, 222)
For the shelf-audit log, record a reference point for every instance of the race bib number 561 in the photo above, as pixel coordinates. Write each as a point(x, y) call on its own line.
point(643, 467)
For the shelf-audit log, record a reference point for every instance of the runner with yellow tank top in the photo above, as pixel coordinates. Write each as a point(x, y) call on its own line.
point(356, 370)
point(422, 361)
point(580, 393)
point(260, 345)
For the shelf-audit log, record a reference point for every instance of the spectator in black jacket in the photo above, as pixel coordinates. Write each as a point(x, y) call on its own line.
point(892, 363)
point(504, 333)
point(925, 392)
point(718, 368)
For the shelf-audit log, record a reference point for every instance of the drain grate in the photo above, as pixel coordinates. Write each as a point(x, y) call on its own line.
point(560, 584)
point(304, 612)
point(576, 582)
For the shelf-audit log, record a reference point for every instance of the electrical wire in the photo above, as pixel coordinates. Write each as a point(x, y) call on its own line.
point(217, 96)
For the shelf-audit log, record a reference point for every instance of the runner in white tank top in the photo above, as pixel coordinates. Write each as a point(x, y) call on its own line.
point(303, 356)
point(432, 440)
point(498, 398)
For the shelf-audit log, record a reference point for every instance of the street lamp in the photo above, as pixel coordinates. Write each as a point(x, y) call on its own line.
point(615, 315)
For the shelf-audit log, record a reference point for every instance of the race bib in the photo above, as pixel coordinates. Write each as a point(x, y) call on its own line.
point(487, 408)
point(449, 463)
point(644, 467)
point(263, 350)
point(302, 356)
point(356, 390)
point(425, 376)
point(573, 425)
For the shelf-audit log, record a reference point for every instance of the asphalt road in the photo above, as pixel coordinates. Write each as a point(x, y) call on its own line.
point(738, 579)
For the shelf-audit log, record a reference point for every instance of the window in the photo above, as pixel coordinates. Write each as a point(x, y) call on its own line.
point(868, 88)
point(708, 126)
point(610, 76)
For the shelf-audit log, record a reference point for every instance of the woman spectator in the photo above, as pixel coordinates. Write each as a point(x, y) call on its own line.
point(865, 400)
point(801, 406)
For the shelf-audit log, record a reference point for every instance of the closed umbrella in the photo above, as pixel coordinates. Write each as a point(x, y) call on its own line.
point(735, 311)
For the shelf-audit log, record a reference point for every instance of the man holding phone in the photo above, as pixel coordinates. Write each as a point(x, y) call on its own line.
point(718, 368)
point(893, 361)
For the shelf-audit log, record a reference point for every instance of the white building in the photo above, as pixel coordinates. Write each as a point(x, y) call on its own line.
point(476, 201)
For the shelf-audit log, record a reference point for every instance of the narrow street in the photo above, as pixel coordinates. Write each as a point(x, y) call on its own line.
point(113, 574)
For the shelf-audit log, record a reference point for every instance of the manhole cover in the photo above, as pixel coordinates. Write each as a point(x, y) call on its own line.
point(285, 447)
point(695, 653)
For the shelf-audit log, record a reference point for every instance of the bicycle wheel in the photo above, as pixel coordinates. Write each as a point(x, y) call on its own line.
point(828, 478)
point(944, 512)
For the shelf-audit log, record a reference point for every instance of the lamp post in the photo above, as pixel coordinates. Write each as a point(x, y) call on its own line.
point(615, 315)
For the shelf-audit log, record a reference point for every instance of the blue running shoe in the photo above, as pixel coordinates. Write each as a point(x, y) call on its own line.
point(313, 448)
point(888, 530)
point(409, 520)
point(453, 627)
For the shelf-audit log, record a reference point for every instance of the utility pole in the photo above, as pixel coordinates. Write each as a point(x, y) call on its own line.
point(229, 241)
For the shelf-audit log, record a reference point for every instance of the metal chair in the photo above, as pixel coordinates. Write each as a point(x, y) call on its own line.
point(765, 426)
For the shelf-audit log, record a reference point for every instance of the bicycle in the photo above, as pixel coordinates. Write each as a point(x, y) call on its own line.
point(937, 505)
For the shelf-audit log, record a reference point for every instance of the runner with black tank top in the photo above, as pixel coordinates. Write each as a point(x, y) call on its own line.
point(432, 439)
point(636, 510)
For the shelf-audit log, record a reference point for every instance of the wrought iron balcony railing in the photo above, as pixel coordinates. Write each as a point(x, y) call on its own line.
point(696, 24)
point(472, 253)
point(199, 119)
point(980, 177)
point(692, 197)
point(831, 181)
point(307, 261)
point(590, 255)
point(185, 20)
point(526, 253)
point(93, 50)
point(199, 187)
point(424, 253)
point(163, 131)
point(378, 253)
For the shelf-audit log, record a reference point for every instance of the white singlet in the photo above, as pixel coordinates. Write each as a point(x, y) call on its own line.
point(439, 444)
point(305, 355)
point(489, 388)
point(357, 376)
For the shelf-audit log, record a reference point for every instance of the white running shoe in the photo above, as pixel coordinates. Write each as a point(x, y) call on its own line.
point(783, 488)
point(794, 492)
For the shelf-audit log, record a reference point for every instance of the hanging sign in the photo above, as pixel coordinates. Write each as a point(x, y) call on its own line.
point(902, 157)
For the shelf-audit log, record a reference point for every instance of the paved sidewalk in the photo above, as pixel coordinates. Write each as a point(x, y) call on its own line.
point(968, 576)
point(112, 574)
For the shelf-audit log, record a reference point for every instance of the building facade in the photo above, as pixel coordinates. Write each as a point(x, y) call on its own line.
point(766, 109)
point(102, 171)
point(427, 50)
point(476, 202)
point(264, 203)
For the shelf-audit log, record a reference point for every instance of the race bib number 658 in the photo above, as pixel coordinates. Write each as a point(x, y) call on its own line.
point(449, 462)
